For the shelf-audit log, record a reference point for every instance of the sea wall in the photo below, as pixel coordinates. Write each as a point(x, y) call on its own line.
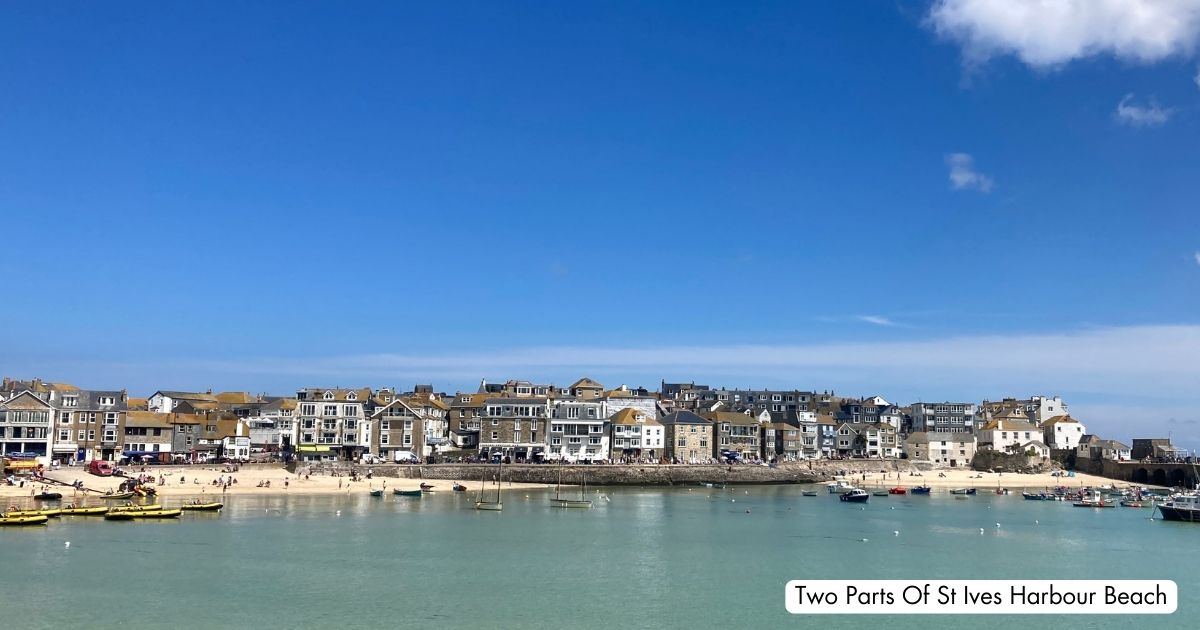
point(634, 474)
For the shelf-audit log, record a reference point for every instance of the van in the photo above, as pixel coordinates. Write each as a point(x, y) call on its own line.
point(100, 467)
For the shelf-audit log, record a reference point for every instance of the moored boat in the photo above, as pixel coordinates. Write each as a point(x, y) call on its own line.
point(810, 493)
point(48, 496)
point(406, 493)
point(377, 493)
point(427, 487)
point(120, 496)
point(881, 493)
point(132, 515)
point(841, 486)
point(202, 507)
point(52, 513)
point(1094, 500)
point(921, 490)
point(965, 491)
point(96, 510)
point(898, 490)
point(458, 487)
point(1182, 507)
point(18, 521)
point(133, 507)
point(1040, 496)
point(856, 496)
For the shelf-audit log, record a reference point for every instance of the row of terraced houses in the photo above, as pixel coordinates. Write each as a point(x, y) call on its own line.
point(525, 421)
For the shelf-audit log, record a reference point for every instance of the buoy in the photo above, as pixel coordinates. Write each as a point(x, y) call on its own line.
point(893, 507)
point(339, 512)
point(733, 500)
point(895, 532)
point(1036, 522)
point(980, 531)
point(997, 524)
point(865, 539)
point(747, 511)
point(68, 545)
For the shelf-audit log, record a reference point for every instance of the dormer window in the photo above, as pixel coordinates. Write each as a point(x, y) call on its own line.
point(351, 396)
point(107, 400)
point(328, 395)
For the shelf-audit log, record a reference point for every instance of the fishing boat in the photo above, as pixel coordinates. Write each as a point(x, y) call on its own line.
point(1181, 507)
point(377, 493)
point(485, 504)
point(841, 486)
point(1133, 503)
point(96, 510)
point(458, 487)
point(54, 513)
point(898, 490)
point(120, 496)
point(1039, 496)
point(406, 493)
point(559, 501)
point(920, 490)
point(1094, 500)
point(47, 496)
point(810, 493)
point(202, 507)
point(881, 493)
point(966, 491)
point(137, 514)
point(18, 521)
point(856, 496)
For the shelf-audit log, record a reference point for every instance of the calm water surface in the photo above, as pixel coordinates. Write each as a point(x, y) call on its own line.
point(648, 557)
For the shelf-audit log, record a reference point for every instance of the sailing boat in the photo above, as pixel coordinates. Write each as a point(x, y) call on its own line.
point(483, 504)
point(570, 503)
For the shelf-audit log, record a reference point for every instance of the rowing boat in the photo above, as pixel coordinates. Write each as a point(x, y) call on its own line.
point(202, 507)
point(406, 493)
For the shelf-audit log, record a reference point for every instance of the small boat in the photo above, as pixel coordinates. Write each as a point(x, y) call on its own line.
point(377, 493)
point(120, 496)
point(841, 486)
point(54, 513)
point(966, 491)
point(491, 506)
point(856, 496)
point(898, 490)
point(559, 501)
point(406, 493)
point(1002, 491)
point(97, 510)
point(881, 493)
point(810, 493)
point(131, 507)
point(135, 514)
point(202, 507)
point(1029, 496)
point(47, 496)
point(18, 521)
point(427, 486)
point(1131, 503)
point(920, 490)
point(1094, 500)
point(458, 487)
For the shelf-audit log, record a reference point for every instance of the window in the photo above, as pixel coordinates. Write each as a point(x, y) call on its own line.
point(64, 435)
point(328, 396)
point(79, 435)
point(64, 417)
point(110, 418)
point(306, 438)
point(495, 436)
point(555, 441)
point(408, 425)
point(573, 412)
point(330, 410)
point(352, 396)
point(383, 439)
point(517, 436)
point(594, 440)
point(308, 409)
point(91, 435)
point(70, 401)
point(106, 401)
point(385, 425)
point(351, 410)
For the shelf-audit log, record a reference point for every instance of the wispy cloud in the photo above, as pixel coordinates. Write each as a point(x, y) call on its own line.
point(1197, 257)
point(875, 319)
point(1046, 35)
point(963, 175)
point(1150, 115)
point(1197, 77)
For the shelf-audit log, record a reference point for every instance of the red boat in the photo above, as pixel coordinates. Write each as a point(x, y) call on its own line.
point(897, 490)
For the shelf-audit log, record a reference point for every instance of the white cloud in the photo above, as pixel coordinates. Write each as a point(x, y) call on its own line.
point(1197, 255)
point(1197, 77)
point(1150, 115)
point(1048, 33)
point(875, 319)
point(963, 175)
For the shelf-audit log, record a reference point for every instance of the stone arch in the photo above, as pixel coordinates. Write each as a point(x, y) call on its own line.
point(1178, 477)
point(1159, 478)
point(1141, 476)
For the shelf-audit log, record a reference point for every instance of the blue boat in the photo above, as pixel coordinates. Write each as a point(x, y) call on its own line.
point(919, 490)
point(856, 496)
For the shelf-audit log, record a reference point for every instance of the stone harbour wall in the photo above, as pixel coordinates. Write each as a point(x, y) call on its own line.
point(631, 474)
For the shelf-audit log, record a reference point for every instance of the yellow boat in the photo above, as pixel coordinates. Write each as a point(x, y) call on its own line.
point(96, 510)
point(129, 515)
point(134, 508)
point(16, 521)
point(203, 507)
point(52, 513)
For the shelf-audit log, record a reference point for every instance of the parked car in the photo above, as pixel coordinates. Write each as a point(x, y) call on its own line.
point(101, 468)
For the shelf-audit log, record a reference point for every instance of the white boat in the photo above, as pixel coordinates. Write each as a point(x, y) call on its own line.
point(559, 501)
point(1181, 507)
point(482, 503)
point(841, 486)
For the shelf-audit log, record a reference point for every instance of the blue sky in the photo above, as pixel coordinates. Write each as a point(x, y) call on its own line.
point(968, 204)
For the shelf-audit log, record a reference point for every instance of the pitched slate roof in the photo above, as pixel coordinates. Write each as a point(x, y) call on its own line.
point(684, 417)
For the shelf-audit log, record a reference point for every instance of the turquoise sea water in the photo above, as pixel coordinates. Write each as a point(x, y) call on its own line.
point(646, 558)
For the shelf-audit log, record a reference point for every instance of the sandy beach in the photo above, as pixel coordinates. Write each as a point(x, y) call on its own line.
point(197, 482)
point(963, 478)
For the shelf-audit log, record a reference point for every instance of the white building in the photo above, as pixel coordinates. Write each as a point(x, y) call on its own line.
point(333, 424)
point(945, 449)
point(1007, 435)
point(577, 432)
point(1063, 432)
point(636, 436)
